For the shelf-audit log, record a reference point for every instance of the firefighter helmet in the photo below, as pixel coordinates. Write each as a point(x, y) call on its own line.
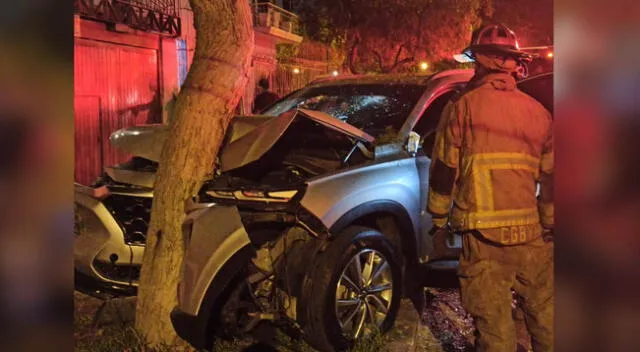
point(493, 39)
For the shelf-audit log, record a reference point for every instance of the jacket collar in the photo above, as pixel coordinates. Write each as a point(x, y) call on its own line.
point(498, 80)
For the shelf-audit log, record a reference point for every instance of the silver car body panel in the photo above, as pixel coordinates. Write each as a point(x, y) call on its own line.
point(216, 235)
point(145, 141)
point(103, 238)
point(254, 144)
point(132, 177)
point(395, 180)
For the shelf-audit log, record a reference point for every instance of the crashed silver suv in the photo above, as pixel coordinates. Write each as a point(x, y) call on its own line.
point(315, 220)
point(313, 223)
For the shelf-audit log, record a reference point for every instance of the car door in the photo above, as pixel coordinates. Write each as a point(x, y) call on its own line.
point(426, 128)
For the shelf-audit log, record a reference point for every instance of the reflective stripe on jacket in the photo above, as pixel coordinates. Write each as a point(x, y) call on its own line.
point(493, 147)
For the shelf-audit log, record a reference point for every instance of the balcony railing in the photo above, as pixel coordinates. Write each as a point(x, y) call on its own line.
point(266, 14)
point(148, 15)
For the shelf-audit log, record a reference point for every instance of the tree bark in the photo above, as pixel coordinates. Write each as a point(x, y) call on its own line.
point(214, 85)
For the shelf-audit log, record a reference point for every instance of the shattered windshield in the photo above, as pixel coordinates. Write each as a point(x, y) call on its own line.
point(377, 109)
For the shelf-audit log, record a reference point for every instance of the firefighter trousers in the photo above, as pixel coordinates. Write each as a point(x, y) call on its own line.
point(487, 273)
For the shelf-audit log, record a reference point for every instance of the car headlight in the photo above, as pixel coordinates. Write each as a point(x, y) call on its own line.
point(254, 195)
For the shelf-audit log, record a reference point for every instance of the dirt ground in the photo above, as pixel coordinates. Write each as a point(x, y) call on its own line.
point(443, 326)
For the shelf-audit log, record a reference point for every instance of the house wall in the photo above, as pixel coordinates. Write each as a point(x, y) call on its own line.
point(121, 79)
point(128, 77)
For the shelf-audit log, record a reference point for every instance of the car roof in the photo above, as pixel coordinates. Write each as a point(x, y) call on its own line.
point(416, 79)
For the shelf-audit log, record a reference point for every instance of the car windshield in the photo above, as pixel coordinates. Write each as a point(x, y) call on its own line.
point(377, 109)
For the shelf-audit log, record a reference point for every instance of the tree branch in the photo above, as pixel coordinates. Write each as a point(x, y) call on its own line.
point(379, 59)
point(353, 53)
point(395, 61)
point(401, 62)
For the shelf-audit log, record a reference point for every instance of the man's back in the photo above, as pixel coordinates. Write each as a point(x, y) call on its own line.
point(500, 135)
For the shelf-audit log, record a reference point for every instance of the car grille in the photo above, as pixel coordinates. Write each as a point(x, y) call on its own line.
point(133, 214)
point(120, 272)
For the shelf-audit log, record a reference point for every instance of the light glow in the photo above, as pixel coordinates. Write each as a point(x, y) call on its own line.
point(334, 73)
point(550, 55)
point(424, 66)
point(296, 70)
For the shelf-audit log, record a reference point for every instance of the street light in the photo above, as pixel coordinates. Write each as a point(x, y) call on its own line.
point(296, 70)
point(424, 66)
point(334, 73)
point(550, 54)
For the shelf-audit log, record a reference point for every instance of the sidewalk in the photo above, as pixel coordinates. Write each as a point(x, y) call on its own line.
point(443, 327)
point(410, 334)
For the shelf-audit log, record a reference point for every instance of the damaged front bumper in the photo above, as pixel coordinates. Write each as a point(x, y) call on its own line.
point(102, 258)
point(217, 248)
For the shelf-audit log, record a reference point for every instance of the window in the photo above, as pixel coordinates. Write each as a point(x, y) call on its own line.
point(378, 109)
point(428, 122)
point(183, 59)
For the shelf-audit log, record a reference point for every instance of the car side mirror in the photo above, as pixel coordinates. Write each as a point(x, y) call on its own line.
point(414, 142)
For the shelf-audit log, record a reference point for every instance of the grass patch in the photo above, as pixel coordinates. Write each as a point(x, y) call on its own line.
point(375, 342)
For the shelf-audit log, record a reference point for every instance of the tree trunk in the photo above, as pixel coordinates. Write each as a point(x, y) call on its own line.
point(216, 81)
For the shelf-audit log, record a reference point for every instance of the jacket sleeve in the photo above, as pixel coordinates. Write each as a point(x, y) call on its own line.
point(444, 163)
point(545, 199)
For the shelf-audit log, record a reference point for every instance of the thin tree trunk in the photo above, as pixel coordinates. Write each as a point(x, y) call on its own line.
point(216, 81)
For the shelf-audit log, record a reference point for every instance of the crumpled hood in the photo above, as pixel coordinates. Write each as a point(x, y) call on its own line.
point(146, 141)
point(247, 139)
point(257, 142)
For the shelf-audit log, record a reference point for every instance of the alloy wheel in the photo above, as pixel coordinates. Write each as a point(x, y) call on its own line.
point(364, 293)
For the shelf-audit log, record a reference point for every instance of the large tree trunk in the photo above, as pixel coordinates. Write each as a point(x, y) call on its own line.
point(216, 81)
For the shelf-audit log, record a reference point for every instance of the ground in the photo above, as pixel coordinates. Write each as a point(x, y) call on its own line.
point(443, 326)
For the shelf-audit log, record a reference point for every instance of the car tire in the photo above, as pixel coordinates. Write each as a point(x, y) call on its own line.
point(326, 284)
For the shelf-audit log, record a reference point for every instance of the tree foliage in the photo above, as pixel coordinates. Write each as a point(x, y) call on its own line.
point(531, 20)
point(393, 35)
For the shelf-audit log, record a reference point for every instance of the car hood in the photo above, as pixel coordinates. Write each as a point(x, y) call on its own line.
point(254, 144)
point(146, 141)
point(248, 138)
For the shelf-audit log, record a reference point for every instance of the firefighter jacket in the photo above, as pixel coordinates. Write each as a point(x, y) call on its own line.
point(493, 150)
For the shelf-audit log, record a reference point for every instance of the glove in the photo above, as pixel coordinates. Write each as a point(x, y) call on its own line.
point(547, 235)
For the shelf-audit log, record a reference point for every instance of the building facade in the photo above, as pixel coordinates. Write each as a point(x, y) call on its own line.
point(131, 57)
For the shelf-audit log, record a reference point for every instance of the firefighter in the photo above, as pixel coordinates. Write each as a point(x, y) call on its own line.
point(493, 155)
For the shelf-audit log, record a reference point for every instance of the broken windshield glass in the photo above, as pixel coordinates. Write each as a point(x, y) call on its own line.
point(373, 108)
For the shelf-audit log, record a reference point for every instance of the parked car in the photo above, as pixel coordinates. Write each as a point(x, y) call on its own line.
point(313, 221)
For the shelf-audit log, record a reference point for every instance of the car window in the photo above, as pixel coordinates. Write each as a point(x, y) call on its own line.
point(378, 109)
point(540, 88)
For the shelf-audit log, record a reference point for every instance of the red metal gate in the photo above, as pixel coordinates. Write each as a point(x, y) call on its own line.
point(123, 83)
point(88, 133)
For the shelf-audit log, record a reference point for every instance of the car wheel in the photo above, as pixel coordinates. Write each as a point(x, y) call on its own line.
point(353, 290)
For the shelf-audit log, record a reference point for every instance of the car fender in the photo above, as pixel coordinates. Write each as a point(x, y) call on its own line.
point(393, 182)
point(213, 236)
point(400, 214)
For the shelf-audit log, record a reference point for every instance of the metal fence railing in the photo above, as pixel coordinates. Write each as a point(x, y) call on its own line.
point(266, 14)
point(167, 7)
point(158, 16)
